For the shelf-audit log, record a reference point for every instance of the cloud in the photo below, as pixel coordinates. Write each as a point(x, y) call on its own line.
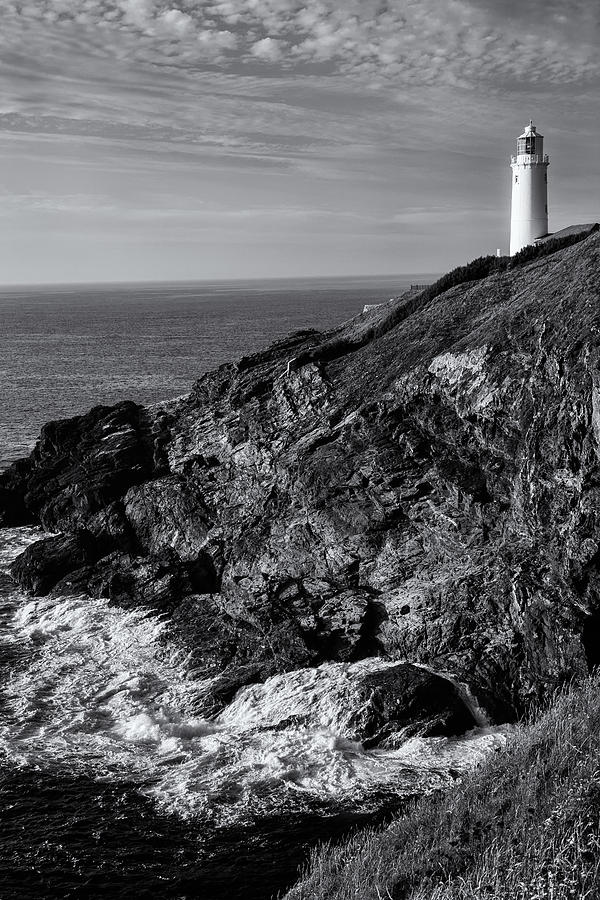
point(460, 42)
point(176, 23)
point(215, 42)
point(139, 13)
point(329, 92)
point(95, 204)
point(268, 49)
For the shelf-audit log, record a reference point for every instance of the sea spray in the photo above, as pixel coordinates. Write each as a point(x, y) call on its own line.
point(102, 694)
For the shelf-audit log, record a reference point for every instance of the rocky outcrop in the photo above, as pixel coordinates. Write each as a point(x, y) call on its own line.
point(158, 581)
point(81, 468)
point(422, 483)
point(371, 701)
point(43, 564)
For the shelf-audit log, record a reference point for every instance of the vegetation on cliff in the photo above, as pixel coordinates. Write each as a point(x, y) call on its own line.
point(373, 325)
point(484, 266)
point(525, 826)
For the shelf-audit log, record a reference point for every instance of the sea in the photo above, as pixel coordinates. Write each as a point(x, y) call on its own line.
point(64, 349)
point(110, 784)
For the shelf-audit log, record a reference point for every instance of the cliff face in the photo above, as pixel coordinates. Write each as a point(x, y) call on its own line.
point(424, 483)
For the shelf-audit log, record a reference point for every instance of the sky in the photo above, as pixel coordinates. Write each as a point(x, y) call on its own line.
point(204, 139)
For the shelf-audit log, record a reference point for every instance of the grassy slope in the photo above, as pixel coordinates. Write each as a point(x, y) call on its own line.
point(526, 825)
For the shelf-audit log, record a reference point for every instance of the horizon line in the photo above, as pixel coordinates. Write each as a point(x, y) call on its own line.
point(24, 285)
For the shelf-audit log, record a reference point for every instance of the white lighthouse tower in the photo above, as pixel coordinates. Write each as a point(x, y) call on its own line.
point(529, 212)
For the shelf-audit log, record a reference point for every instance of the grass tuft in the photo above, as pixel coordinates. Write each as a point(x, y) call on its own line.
point(524, 826)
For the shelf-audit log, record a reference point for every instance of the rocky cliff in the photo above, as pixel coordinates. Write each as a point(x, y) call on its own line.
point(421, 483)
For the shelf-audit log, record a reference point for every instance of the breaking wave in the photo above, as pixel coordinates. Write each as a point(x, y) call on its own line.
point(95, 690)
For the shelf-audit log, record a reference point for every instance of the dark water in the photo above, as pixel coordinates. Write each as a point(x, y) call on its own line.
point(63, 351)
point(109, 787)
point(67, 837)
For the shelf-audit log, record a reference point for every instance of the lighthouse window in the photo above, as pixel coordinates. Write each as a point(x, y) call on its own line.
point(516, 177)
point(529, 145)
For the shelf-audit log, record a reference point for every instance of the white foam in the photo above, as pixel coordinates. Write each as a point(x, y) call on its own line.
point(327, 696)
point(13, 541)
point(100, 692)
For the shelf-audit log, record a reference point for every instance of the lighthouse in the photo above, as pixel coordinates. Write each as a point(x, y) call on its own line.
point(529, 211)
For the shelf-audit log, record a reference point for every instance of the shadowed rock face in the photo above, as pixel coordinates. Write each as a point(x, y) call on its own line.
point(432, 493)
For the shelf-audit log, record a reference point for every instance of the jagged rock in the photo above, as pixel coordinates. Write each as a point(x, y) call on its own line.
point(81, 468)
point(167, 514)
point(160, 582)
point(343, 619)
point(423, 482)
point(45, 562)
point(365, 701)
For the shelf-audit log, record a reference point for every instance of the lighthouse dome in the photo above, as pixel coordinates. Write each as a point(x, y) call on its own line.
point(531, 142)
point(530, 131)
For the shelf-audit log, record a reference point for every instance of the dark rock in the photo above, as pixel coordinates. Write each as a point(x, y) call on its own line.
point(45, 562)
point(168, 514)
point(423, 482)
point(159, 582)
point(406, 701)
point(80, 467)
point(342, 619)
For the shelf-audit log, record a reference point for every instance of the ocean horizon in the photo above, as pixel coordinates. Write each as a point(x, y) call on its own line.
point(251, 283)
point(66, 348)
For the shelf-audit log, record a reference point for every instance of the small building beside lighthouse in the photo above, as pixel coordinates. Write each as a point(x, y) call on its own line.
point(529, 209)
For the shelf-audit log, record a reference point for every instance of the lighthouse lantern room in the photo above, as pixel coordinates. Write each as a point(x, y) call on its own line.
point(529, 211)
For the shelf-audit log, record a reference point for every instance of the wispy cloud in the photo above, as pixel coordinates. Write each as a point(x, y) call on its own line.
point(398, 109)
point(403, 40)
point(282, 79)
